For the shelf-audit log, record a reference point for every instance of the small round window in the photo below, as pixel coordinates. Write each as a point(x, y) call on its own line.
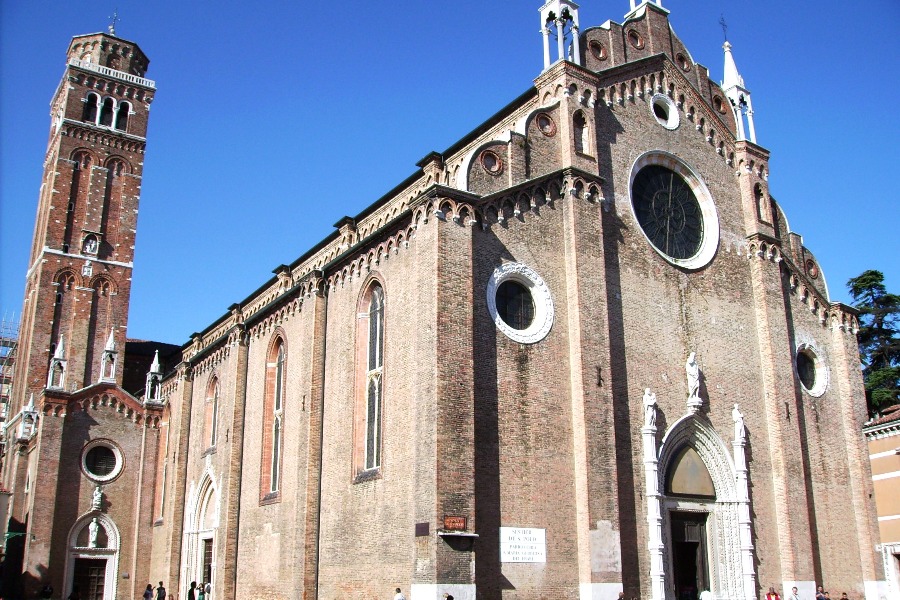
point(665, 111)
point(546, 124)
point(636, 40)
point(491, 162)
point(101, 461)
point(811, 371)
point(598, 50)
point(519, 303)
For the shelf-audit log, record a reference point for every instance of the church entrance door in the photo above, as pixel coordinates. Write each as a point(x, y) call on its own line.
point(689, 556)
point(90, 577)
point(207, 560)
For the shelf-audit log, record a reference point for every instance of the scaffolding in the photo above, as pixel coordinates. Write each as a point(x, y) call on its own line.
point(9, 339)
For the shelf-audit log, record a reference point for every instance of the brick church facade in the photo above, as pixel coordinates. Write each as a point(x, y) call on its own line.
point(580, 352)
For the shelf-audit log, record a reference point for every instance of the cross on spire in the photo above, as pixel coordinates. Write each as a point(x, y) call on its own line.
point(724, 26)
point(114, 19)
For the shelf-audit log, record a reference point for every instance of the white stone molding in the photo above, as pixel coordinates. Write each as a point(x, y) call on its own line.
point(110, 552)
point(540, 294)
point(200, 524)
point(710, 242)
point(730, 545)
point(654, 509)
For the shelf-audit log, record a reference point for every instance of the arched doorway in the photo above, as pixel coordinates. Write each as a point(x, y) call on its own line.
point(92, 561)
point(698, 513)
point(202, 519)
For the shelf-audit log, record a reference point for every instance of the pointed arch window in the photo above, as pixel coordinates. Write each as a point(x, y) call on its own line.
point(273, 427)
point(370, 355)
point(211, 410)
point(581, 133)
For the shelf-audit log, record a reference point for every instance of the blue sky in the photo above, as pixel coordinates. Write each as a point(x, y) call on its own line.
point(273, 120)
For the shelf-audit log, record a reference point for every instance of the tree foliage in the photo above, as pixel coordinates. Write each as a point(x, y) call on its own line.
point(879, 339)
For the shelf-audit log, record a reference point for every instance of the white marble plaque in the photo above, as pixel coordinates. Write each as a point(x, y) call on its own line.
point(523, 545)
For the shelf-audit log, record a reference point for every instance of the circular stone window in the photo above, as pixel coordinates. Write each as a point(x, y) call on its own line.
point(519, 303)
point(101, 461)
point(719, 104)
point(546, 124)
point(636, 40)
point(491, 162)
point(674, 210)
point(598, 50)
point(665, 111)
point(812, 270)
point(811, 371)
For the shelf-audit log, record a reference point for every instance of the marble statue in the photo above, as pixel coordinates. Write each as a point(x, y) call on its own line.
point(649, 408)
point(740, 431)
point(692, 370)
point(97, 498)
point(93, 531)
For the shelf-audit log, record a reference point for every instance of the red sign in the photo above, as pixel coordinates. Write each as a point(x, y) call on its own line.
point(454, 523)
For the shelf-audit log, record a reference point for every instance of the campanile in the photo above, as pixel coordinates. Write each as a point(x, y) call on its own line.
point(75, 312)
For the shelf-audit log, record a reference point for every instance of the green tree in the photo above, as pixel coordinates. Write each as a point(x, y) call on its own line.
point(879, 339)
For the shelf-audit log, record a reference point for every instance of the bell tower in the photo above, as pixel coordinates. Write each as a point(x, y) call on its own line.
point(78, 282)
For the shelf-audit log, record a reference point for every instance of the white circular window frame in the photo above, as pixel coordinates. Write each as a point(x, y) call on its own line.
point(710, 242)
point(120, 461)
point(674, 119)
point(822, 375)
point(540, 295)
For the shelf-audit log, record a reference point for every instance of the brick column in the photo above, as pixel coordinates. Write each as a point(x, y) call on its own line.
point(853, 415)
point(790, 500)
point(232, 496)
point(310, 569)
point(178, 460)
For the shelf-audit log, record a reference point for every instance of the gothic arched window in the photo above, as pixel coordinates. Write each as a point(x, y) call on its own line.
point(581, 133)
point(370, 357)
point(273, 427)
point(211, 411)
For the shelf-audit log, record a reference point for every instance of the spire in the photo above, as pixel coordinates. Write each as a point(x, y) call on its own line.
point(155, 368)
point(110, 342)
point(108, 362)
point(738, 96)
point(152, 391)
point(60, 353)
point(732, 77)
point(113, 20)
point(56, 377)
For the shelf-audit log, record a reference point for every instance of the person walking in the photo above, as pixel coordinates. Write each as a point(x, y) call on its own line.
point(794, 594)
point(192, 593)
point(399, 595)
point(772, 595)
point(201, 592)
point(148, 593)
point(161, 592)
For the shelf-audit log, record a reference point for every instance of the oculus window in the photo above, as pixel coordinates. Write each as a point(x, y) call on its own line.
point(674, 210)
point(519, 303)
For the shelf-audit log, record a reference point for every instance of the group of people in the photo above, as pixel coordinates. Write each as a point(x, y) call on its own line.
point(195, 592)
point(821, 594)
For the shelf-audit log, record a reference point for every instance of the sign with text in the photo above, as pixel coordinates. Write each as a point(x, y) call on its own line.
point(523, 545)
point(453, 523)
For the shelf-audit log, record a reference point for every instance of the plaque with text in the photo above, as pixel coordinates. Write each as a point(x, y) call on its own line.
point(452, 523)
point(523, 545)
